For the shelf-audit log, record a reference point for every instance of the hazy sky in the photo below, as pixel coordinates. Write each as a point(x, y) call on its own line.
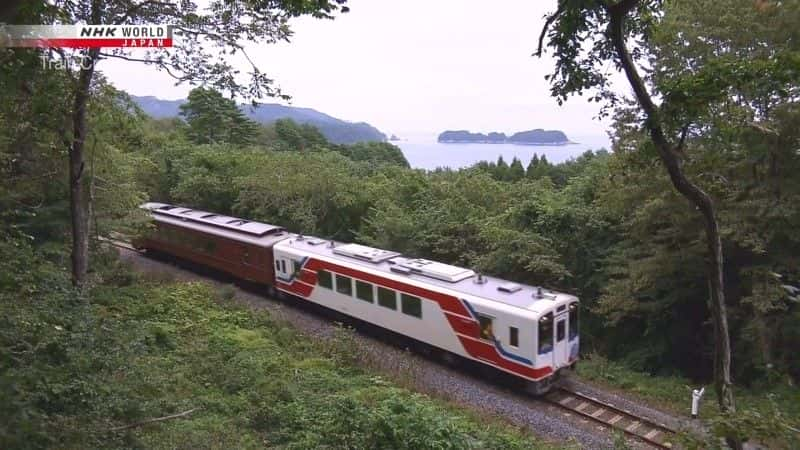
point(411, 67)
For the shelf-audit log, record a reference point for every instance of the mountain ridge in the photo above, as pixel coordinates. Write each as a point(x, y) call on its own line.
point(336, 130)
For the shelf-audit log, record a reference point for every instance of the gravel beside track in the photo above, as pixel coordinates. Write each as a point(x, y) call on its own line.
point(432, 377)
point(574, 384)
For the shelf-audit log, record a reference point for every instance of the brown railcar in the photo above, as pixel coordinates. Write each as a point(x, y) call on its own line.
point(236, 246)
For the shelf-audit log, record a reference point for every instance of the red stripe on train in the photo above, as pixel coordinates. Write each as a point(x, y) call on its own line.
point(477, 349)
point(446, 302)
point(464, 326)
point(296, 288)
point(488, 352)
point(308, 276)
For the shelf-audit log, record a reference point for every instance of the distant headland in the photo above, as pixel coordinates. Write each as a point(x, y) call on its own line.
point(531, 137)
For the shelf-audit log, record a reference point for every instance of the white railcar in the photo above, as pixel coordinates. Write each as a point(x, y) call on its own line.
point(524, 330)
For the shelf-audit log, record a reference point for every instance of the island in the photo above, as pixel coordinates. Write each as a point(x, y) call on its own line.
point(530, 137)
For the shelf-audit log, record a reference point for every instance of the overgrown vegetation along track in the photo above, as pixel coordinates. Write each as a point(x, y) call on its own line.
point(658, 435)
point(490, 397)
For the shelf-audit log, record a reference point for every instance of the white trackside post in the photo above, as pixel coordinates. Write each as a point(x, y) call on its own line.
point(697, 394)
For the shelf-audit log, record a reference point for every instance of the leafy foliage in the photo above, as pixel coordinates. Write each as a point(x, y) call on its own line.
point(136, 349)
point(213, 119)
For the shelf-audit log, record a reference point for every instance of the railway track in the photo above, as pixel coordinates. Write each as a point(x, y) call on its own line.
point(118, 242)
point(655, 434)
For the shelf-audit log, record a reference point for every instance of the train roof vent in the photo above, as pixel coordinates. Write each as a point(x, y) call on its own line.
point(229, 223)
point(316, 241)
point(509, 288)
point(437, 270)
point(401, 269)
point(258, 228)
point(364, 253)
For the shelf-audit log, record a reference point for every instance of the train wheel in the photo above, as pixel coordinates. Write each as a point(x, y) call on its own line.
point(541, 387)
point(449, 359)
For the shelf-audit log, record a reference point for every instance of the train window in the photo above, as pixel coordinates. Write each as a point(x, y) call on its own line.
point(298, 266)
point(344, 285)
point(364, 291)
point(486, 327)
point(283, 265)
point(546, 334)
point(325, 279)
point(277, 265)
point(387, 298)
point(513, 336)
point(573, 321)
point(560, 330)
point(411, 305)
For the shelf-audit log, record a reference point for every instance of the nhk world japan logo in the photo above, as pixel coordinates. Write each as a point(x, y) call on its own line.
point(86, 36)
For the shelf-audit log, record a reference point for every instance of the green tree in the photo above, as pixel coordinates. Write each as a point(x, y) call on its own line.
point(375, 153)
point(501, 169)
point(515, 171)
point(538, 168)
point(296, 137)
point(741, 149)
point(209, 36)
point(585, 35)
point(530, 171)
point(331, 203)
point(609, 26)
point(214, 119)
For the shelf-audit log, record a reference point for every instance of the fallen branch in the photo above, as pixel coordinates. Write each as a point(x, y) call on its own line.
point(157, 419)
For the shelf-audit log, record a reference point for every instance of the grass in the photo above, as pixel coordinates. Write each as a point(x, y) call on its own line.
point(76, 368)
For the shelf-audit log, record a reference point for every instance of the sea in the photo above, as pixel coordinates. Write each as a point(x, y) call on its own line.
point(423, 152)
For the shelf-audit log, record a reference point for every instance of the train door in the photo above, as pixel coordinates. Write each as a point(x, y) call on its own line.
point(248, 256)
point(561, 345)
point(283, 268)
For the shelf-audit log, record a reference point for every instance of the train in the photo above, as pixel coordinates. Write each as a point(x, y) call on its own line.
point(529, 332)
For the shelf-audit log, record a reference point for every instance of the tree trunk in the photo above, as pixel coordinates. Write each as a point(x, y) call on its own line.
point(673, 162)
point(77, 199)
point(9, 10)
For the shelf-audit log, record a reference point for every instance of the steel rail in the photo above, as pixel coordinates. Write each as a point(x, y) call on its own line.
point(646, 430)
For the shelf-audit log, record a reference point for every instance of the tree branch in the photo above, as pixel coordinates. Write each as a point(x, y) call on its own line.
point(622, 7)
point(161, 64)
point(616, 25)
point(136, 8)
point(549, 21)
point(157, 419)
point(682, 141)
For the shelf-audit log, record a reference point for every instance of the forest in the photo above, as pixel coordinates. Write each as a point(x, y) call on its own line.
point(609, 227)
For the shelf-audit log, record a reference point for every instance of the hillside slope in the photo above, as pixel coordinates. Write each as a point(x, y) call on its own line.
point(335, 130)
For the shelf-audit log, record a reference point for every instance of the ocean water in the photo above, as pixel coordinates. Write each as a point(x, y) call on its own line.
point(423, 152)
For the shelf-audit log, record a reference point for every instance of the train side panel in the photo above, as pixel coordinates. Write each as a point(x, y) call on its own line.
point(240, 259)
point(449, 322)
